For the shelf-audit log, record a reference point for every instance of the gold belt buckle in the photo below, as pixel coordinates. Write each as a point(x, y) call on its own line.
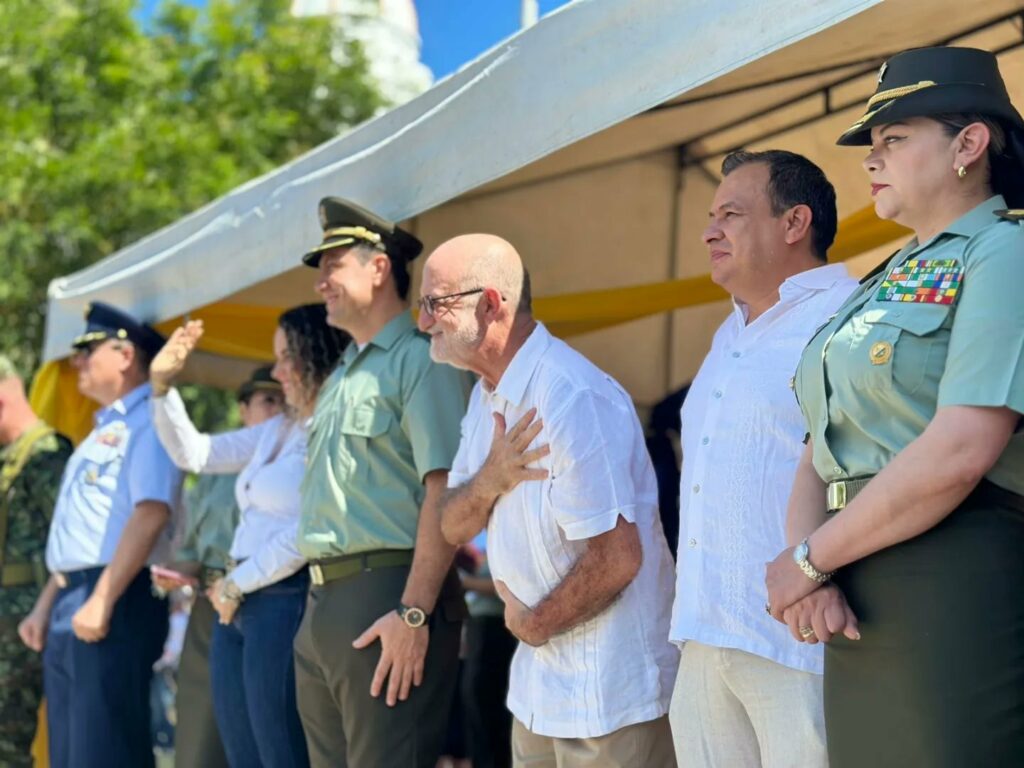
point(316, 574)
point(61, 579)
point(836, 495)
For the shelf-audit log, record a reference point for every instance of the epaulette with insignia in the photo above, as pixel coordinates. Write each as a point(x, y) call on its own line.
point(1010, 214)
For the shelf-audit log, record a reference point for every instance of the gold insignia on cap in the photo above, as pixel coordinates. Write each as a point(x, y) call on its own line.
point(881, 71)
point(881, 352)
point(895, 93)
point(360, 233)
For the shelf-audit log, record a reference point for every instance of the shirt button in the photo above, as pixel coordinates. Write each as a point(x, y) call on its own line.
point(735, 354)
point(696, 488)
point(718, 393)
point(706, 440)
point(692, 543)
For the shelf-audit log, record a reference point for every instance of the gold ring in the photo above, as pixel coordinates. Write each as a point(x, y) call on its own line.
point(806, 632)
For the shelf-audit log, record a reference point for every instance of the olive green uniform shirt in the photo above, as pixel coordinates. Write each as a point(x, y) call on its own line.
point(212, 519)
point(385, 419)
point(871, 379)
point(28, 498)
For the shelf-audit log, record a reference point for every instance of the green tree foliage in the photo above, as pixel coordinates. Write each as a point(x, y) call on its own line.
point(109, 131)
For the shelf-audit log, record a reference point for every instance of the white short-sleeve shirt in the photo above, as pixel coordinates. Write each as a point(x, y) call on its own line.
point(742, 436)
point(618, 668)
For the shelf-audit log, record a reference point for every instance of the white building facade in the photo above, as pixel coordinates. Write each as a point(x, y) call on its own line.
point(389, 33)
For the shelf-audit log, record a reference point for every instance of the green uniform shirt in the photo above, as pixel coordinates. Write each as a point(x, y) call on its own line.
point(872, 378)
point(27, 498)
point(27, 505)
point(212, 519)
point(387, 417)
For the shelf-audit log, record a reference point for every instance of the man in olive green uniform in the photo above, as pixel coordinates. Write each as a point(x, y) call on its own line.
point(376, 656)
point(31, 464)
point(212, 519)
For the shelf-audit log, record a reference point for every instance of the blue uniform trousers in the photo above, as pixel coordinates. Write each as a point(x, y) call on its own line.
point(97, 694)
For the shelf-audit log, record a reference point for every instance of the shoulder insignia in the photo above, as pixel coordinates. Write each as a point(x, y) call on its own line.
point(1011, 214)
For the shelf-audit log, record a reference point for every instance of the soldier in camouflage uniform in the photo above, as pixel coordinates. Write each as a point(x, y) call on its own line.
point(32, 460)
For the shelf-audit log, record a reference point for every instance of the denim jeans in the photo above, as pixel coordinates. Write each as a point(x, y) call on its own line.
point(252, 673)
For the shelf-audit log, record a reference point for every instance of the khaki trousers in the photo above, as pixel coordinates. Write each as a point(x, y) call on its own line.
point(642, 745)
point(732, 709)
point(346, 727)
point(196, 740)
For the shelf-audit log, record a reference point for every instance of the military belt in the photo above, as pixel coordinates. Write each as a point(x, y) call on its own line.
point(18, 575)
point(334, 568)
point(841, 492)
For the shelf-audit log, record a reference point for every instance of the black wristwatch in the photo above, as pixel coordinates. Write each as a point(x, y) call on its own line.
point(412, 616)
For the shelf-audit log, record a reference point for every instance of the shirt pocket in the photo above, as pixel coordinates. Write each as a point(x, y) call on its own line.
point(904, 346)
point(361, 425)
point(101, 465)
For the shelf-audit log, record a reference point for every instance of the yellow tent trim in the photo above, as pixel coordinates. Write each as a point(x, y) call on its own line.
point(56, 400)
point(245, 331)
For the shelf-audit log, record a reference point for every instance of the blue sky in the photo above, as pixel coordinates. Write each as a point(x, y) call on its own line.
point(457, 31)
point(453, 31)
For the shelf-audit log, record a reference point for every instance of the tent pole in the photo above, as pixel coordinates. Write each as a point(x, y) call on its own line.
point(673, 264)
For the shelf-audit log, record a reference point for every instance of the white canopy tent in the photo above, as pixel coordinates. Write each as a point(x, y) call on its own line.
point(591, 141)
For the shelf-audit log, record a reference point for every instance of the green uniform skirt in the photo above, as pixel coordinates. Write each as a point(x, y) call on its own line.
point(937, 678)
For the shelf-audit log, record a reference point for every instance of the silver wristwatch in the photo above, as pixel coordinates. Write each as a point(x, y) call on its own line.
point(801, 556)
point(230, 592)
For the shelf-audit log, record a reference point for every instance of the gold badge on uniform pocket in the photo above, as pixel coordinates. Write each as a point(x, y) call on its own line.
point(881, 352)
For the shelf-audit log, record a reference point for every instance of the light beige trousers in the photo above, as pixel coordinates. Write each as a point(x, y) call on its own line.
point(643, 745)
point(732, 709)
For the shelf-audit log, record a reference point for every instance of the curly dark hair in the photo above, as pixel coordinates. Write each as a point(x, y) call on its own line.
point(314, 346)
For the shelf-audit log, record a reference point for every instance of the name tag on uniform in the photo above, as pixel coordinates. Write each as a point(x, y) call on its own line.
point(925, 281)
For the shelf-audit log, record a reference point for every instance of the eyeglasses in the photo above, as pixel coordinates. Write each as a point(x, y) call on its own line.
point(85, 351)
point(428, 304)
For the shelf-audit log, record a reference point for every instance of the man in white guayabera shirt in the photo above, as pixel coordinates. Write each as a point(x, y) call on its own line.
point(747, 693)
point(552, 461)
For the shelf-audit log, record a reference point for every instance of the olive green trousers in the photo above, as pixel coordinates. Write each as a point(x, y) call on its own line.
point(196, 739)
point(345, 726)
point(937, 678)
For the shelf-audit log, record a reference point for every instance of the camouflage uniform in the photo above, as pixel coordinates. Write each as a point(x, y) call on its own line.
point(26, 505)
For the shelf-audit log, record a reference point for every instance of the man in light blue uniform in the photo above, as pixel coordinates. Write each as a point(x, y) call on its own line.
point(112, 518)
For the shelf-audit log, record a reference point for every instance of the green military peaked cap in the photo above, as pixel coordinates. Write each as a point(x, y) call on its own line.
point(934, 81)
point(259, 381)
point(345, 223)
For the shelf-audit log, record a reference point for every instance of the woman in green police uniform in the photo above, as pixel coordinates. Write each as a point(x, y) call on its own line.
point(911, 486)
